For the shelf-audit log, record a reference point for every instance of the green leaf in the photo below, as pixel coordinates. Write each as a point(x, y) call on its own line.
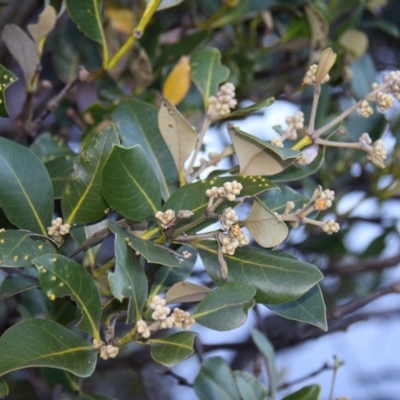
point(6, 79)
point(178, 134)
point(3, 389)
point(49, 147)
point(87, 16)
point(59, 170)
point(363, 72)
point(137, 124)
point(265, 346)
point(265, 227)
point(167, 4)
point(129, 183)
point(172, 350)
point(309, 308)
point(18, 248)
point(26, 194)
point(242, 112)
point(43, 343)
point(278, 279)
point(215, 381)
point(193, 196)
point(128, 280)
point(258, 157)
point(16, 283)
point(165, 277)
point(249, 387)
point(226, 307)
point(82, 199)
point(310, 392)
point(277, 199)
point(59, 276)
point(23, 49)
point(295, 173)
point(207, 72)
point(153, 253)
point(186, 292)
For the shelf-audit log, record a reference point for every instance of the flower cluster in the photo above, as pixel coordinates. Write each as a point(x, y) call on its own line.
point(57, 229)
point(295, 122)
point(166, 218)
point(229, 190)
point(384, 101)
point(365, 109)
point(228, 218)
point(309, 77)
point(376, 151)
point(324, 200)
point(162, 314)
point(393, 79)
point(235, 238)
point(330, 227)
point(221, 104)
point(106, 351)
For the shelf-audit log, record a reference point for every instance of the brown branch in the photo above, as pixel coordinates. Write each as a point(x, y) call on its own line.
point(32, 127)
point(363, 266)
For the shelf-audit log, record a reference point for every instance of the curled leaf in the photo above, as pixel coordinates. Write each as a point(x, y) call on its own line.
point(326, 62)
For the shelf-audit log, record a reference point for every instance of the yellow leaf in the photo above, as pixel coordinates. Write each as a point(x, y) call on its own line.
point(121, 19)
point(177, 84)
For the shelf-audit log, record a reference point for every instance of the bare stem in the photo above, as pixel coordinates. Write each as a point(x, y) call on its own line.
point(311, 123)
point(206, 125)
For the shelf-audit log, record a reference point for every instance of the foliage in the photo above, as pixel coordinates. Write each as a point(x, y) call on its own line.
point(139, 176)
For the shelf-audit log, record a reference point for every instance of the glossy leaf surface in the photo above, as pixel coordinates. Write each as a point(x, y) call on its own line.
point(128, 280)
point(18, 248)
point(59, 276)
point(172, 350)
point(249, 387)
point(43, 343)
point(207, 71)
point(277, 279)
point(129, 184)
point(82, 199)
point(215, 381)
point(137, 124)
point(310, 392)
point(309, 308)
point(59, 171)
point(226, 307)
point(26, 194)
point(49, 147)
point(16, 283)
point(6, 79)
point(151, 252)
point(87, 16)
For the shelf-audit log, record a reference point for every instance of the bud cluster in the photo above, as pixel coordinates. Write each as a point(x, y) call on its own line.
point(330, 227)
point(166, 218)
point(324, 200)
point(376, 151)
point(58, 229)
point(309, 77)
point(393, 78)
point(228, 218)
point(221, 104)
point(235, 238)
point(162, 314)
point(106, 351)
point(365, 109)
point(295, 122)
point(229, 190)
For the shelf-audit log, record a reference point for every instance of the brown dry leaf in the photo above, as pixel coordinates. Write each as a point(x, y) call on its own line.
point(319, 26)
point(186, 292)
point(255, 158)
point(45, 24)
point(265, 227)
point(177, 84)
point(23, 49)
point(326, 62)
point(178, 134)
